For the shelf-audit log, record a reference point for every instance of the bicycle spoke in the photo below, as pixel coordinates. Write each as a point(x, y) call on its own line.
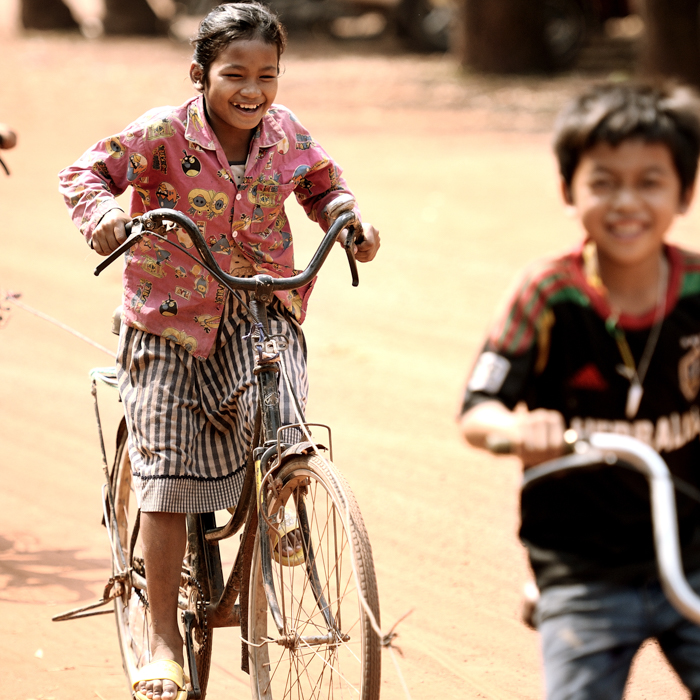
point(329, 651)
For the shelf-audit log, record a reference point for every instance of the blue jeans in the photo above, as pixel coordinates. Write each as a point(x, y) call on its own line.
point(590, 633)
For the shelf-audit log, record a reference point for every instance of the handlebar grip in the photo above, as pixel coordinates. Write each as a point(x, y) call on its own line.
point(118, 252)
point(499, 445)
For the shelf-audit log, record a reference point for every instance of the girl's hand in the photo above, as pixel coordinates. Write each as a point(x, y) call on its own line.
point(365, 251)
point(110, 233)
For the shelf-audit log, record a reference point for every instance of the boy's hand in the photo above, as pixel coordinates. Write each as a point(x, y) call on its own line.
point(539, 435)
point(110, 233)
point(535, 436)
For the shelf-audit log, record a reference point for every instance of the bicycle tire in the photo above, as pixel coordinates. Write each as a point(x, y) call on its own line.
point(131, 610)
point(307, 667)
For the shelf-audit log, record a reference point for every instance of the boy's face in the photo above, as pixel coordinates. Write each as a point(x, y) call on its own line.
point(626, 198)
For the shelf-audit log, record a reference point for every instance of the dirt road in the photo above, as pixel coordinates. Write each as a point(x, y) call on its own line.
point(457, 176)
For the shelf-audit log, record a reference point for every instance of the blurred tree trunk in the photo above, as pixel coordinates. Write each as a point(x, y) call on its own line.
point(131, 17)
point(671, 45)
point(46, 15)
point(504, 36)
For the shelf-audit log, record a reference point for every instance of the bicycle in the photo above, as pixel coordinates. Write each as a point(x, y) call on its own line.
point(309, 622)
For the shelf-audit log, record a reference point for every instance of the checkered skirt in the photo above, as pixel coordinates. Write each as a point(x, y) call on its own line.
point(191, 421)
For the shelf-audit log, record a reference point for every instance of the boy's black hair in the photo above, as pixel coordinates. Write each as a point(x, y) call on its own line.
point(232, 21)
point(612, 113)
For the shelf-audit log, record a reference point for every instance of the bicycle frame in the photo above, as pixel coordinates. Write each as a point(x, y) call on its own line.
point(609, 448)
point(267, 453)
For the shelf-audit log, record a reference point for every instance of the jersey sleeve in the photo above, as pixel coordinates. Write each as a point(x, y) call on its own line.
point(515, 350)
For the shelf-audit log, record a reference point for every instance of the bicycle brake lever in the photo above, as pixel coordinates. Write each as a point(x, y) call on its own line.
point(354, 237)
point(134, 232)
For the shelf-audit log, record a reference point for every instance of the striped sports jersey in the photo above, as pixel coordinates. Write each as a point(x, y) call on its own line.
point(554, 347)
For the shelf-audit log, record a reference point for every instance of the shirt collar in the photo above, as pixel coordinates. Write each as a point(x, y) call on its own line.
point(198, 130)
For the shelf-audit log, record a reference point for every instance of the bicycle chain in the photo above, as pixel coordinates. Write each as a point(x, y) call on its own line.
point(201, 609)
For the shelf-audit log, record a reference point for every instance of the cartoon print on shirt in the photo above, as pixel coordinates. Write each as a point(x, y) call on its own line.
point(168, 307)
point(137, 165)
point(143, 291)
point(207, 202)
point(167, 196)
point(160, 129)
point(144, 194)
point(299, 179)
point(190, 165)
point(207, 321)
point(689, 367)
point(220, 246)
point(225, 175)
point(194, 117)
point(252, 231)
point(304, 142)
point(152, 267)
point(259, 255)
point(100, 167)
point(181, 338)
point(114, 147)
point(159, 160)
point(295, 303)
point(162, 255)
point(201, 283)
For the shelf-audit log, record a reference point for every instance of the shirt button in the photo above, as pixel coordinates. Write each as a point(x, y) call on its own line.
point(239, 195)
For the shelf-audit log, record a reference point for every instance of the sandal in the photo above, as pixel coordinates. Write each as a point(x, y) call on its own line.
point(289, 525)
point(166, 670)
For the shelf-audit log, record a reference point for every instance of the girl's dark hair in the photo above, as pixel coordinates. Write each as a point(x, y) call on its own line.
point(613, 113)
point(236, 20)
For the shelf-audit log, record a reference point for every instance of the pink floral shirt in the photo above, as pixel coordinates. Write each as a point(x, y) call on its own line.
point(171, 158)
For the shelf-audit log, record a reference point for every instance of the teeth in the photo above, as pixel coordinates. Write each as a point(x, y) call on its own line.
point(250, 108)
point(630, 229)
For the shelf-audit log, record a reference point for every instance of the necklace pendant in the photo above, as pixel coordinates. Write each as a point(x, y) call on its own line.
point(634, 398)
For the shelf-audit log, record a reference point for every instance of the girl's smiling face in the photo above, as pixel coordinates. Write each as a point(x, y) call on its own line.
point(240, 86)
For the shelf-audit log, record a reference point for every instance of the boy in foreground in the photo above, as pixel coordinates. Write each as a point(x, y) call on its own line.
point(605, 338)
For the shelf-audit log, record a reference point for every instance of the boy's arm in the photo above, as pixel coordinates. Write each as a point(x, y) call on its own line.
point(535, 436)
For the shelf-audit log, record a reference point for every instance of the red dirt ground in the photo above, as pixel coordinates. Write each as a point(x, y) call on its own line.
point(456, 173)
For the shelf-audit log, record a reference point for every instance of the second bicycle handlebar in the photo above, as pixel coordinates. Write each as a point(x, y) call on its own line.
point(150, 221)
point(609, 448)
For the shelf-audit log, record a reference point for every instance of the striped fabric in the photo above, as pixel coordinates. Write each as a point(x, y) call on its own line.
point(543, 284)
point(190, 420)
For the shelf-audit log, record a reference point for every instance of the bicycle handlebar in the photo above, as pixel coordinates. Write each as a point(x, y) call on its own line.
point(609, 448)
point(152, 220)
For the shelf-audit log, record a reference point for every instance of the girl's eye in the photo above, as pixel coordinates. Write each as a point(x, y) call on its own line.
point(650, 183)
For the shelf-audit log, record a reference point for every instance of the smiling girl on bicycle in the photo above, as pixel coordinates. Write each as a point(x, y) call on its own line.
point(229, 158)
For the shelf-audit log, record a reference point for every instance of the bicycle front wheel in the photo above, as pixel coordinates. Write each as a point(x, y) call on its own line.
point(327, 647)
point(132, 613)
